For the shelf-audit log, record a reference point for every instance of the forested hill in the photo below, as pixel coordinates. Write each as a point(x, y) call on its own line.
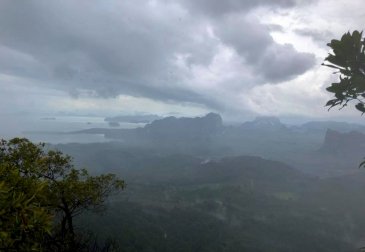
point(186, 203)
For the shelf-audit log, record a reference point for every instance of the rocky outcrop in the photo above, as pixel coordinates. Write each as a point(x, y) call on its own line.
point(267, 123)
point(350, 143)
point(185, 128)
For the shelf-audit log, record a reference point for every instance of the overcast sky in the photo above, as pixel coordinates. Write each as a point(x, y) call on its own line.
point(187, 57)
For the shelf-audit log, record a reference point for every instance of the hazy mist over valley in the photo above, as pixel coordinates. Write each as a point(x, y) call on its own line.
point(202, 126)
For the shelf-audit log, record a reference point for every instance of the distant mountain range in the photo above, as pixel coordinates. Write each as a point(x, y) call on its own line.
point(322, 126)
point(316, 147)
point(169, 128)
point(211, 125)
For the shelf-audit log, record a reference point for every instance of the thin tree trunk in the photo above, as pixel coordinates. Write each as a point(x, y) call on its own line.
point(69, 231)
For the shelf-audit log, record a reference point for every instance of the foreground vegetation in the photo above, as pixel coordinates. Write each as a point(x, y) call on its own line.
point(41, 193)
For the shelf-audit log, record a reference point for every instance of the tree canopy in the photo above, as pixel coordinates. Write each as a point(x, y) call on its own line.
point(348, 58)
point(40, 194)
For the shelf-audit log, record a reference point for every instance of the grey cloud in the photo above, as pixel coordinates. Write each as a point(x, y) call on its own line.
point(130, 47)
point(13, 62)
point(318, 36)
point(220, 8)
point(82, 47)
point(271, 61)
point(249, 39)
point(275, 27)
point(283, 62)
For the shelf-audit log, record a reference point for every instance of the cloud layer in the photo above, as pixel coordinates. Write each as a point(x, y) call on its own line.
point(215, 54)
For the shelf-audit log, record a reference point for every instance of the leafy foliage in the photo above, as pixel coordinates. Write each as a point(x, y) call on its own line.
point(348, 58)
point(40, 194)
point(24, 221)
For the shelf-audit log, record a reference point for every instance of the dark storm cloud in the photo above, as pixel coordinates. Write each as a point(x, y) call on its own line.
point(131, 47)
point(80, 46)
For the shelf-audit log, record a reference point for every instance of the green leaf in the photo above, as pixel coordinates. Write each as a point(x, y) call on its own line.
point(358, 82)
point(360, 107)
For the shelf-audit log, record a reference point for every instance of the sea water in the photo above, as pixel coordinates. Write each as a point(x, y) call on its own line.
point(55, 129)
